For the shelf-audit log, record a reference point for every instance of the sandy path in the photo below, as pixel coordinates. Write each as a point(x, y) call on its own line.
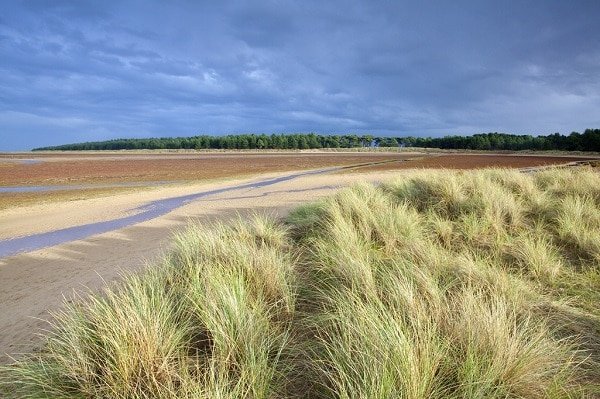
point(37, 281)
point(40, 218)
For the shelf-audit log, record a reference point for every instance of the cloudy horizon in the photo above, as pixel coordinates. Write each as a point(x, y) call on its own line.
point(86, 71)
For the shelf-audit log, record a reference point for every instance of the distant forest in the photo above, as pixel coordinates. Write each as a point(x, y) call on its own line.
point(586, 141)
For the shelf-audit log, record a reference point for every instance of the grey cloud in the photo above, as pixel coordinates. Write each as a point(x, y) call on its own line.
point(76, 71)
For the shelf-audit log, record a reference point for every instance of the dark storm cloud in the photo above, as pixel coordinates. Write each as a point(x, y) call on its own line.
point(76, 71)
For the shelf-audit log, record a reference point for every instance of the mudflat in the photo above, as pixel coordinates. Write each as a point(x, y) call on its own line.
point(479, 161)
point(83, 168)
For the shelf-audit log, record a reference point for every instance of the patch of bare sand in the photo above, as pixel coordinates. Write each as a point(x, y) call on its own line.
point(35, 282)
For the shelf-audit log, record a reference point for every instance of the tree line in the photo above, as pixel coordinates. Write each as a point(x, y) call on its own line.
point(589, 140)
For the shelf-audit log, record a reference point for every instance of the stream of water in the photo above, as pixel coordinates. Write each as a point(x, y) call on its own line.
point(146, 212)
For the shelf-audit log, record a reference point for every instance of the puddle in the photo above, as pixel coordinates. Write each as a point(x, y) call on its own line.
point(23, 161)
point(41, 189)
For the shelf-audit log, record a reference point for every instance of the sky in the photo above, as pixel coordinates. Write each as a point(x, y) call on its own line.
point(73, 71)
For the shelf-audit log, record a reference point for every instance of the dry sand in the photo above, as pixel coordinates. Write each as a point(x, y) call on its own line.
point(37, 281)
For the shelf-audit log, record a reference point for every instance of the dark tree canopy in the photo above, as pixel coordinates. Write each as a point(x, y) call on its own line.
point(586, 141)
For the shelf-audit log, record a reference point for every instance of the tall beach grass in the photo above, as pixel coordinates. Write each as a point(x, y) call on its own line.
point(440, 284)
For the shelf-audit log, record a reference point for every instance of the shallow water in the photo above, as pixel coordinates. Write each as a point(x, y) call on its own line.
point(30, 161)
point(146, 212)
point(41, 189)
point(24, 161)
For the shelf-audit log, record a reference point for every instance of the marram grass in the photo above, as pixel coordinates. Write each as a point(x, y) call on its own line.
point(437, 285)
